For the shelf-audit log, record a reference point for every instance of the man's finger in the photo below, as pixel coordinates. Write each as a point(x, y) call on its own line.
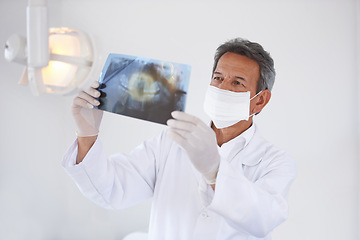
point(178, 137)
point(188, 139)
point(95, 84)
point(88, 98)
point(179, 124)
point(185, 117)
point(93, 92)
point(80, 102)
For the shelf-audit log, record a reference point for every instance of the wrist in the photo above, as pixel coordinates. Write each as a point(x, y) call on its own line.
point(83, 135)
point(84, 145)
point(210, 177)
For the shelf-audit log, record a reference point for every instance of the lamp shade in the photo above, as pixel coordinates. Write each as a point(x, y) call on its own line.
point(58, 60)
point(71, 60)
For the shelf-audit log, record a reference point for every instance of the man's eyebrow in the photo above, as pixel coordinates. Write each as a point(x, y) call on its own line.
point(237, 77)
point(240, 78)
point(218, 73)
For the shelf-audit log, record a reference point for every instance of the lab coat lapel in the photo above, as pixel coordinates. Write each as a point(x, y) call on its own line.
point(252, 153)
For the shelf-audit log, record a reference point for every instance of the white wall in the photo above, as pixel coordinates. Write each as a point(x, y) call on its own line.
point(358, 96)
point(312, 113)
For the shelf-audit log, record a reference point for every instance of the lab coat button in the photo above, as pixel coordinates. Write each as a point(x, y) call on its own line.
point(204, 215)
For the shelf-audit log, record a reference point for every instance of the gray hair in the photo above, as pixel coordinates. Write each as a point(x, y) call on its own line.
point(255, 52)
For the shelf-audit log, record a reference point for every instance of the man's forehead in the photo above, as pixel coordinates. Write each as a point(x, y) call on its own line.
point(237, 63)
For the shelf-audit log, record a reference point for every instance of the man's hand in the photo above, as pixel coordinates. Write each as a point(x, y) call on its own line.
point(199, 141)
point(87, 119)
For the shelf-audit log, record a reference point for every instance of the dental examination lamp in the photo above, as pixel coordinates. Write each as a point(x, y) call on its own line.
point(57, 60)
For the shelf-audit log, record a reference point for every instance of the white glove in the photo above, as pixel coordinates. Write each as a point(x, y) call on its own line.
point(199, 141)
point(87, 118)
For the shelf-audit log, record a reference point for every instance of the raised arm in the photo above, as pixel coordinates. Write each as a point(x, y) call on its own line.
point(87, 119)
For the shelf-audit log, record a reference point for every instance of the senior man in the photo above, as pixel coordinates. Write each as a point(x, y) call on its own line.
point(222, 181)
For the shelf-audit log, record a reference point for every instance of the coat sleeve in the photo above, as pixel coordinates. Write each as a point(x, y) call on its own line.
point(255, 207)
point(118, 181)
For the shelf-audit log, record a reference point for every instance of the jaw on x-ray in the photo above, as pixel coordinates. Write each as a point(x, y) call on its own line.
point(143, 88)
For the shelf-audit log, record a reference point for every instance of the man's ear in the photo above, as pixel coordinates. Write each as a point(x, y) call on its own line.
point(262, 100)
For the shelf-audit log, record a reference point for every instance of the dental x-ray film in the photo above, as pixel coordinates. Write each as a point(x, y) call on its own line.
point(143, 88)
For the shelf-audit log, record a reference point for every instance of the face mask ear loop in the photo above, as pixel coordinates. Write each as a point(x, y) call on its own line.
point(255, 95)
point(252, 99)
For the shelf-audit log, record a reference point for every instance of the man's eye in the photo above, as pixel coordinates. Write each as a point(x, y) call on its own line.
point(217, 78)
point(238, 83)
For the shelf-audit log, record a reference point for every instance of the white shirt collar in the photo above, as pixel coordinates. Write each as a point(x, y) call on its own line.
point(244, 137)
point(248, 134)
point(240, 142)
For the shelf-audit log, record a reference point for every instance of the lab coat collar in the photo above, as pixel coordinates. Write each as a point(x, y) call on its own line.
point(248, 147)
point(253, 153)
point(245, 136)
point(240, 141)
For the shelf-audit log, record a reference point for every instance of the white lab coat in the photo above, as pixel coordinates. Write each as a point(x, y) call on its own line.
point(248, 203)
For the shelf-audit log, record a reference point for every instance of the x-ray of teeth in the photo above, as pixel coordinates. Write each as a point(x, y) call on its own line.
point(143, 88)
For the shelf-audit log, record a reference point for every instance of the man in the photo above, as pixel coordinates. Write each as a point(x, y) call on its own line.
point(218, 182)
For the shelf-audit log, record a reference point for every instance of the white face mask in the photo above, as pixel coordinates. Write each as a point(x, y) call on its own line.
point(225, 108)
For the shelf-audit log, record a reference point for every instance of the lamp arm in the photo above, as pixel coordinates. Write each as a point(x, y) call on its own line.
point(81, 62)
point(37, 34)
point(37, 43)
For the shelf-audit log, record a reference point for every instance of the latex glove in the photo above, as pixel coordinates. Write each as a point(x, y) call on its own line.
point(199, 141)
point(87, 118)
